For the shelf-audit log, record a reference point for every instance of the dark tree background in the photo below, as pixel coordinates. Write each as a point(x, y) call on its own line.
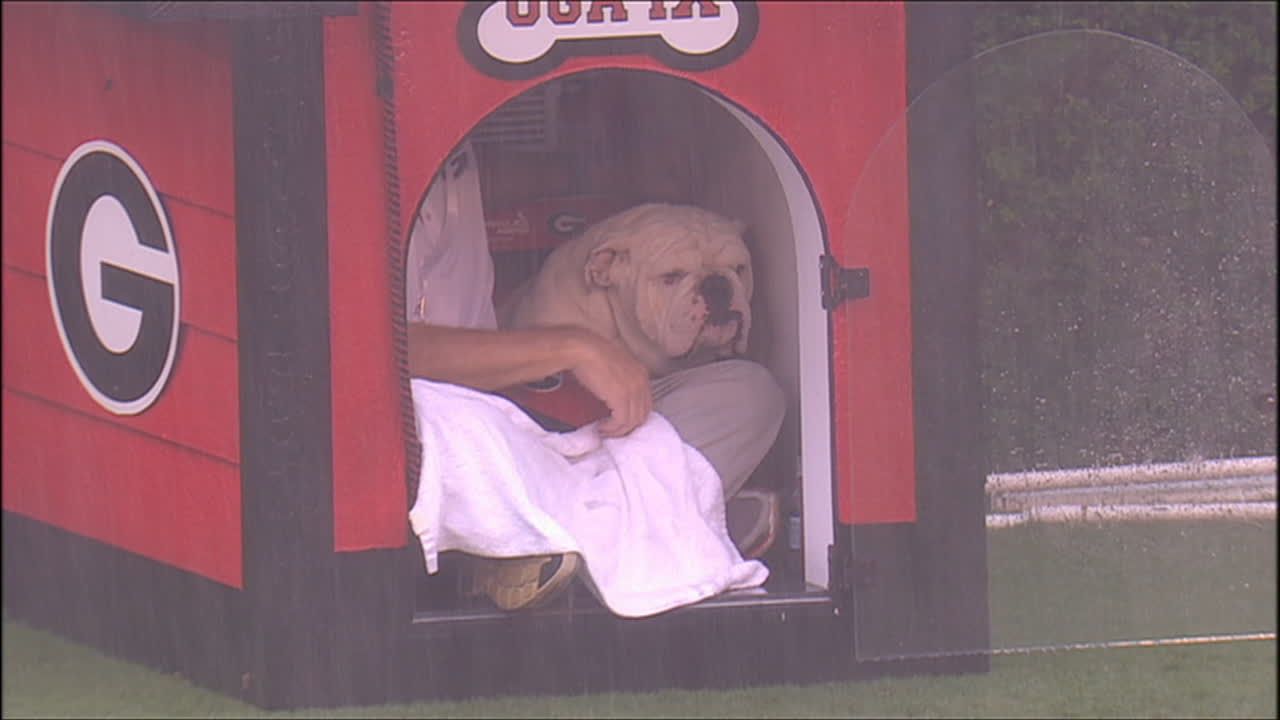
point(1234, 42)
point(1127, 230)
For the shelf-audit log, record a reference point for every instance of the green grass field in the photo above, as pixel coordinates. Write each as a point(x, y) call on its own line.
point(47, 677)
point(1049, 585)
point(1061, 584)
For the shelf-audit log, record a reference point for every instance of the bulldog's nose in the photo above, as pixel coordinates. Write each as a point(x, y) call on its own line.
point(717, 292)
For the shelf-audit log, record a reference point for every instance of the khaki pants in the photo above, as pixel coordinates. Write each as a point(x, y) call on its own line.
point(730, 410)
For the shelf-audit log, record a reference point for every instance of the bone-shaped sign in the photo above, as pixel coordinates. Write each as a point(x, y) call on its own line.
point(522, 32)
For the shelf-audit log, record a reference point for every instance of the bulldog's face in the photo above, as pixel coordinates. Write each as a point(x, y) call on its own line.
point(679, 275)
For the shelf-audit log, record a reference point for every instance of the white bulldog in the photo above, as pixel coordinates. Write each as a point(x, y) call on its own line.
point(671, 283)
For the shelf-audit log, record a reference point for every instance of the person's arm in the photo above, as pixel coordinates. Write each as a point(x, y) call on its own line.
point(494, 359)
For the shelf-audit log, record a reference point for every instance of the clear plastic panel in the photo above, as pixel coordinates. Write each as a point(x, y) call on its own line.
point(1126, 251)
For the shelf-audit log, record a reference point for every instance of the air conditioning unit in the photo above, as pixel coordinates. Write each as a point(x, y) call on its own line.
point(526, 123)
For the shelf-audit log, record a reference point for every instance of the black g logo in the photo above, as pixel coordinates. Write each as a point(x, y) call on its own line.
point(113, 277)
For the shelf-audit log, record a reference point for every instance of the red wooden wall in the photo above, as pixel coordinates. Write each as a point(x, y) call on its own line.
point(164, 483)
point(370, 495)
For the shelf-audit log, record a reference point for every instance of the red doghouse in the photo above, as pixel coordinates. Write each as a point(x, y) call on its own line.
point(209, 447)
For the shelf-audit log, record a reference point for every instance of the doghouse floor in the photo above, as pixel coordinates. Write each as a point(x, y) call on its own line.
point(443, 598)
point(580, 601)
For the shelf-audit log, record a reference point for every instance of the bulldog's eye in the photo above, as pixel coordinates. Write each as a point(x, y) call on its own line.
point(672, 277)
point(741, 270)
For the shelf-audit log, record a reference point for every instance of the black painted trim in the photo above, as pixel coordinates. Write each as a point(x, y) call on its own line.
point(282, 290)
point(123, 604)
point(787, 640)
point(324, 627)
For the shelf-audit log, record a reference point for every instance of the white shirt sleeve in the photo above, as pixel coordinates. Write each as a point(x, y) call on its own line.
point(449, 275)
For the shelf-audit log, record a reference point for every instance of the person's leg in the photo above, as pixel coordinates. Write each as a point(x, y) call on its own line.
point(730, 410)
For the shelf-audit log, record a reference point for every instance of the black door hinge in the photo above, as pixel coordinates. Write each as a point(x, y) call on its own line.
point(841, 283)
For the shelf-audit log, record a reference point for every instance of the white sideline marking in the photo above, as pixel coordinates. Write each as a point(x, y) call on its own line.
point(1112, 513)
point(1093, 645)
point(1151, 642)
point(1152, 472)
point(1233, 488)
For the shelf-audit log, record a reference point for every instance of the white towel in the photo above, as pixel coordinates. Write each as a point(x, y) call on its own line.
point(645, 511)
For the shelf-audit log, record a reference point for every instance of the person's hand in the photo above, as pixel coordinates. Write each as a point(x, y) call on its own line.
point(621, 382)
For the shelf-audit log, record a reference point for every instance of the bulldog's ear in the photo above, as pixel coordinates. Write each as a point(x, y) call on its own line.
point(600, 265)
